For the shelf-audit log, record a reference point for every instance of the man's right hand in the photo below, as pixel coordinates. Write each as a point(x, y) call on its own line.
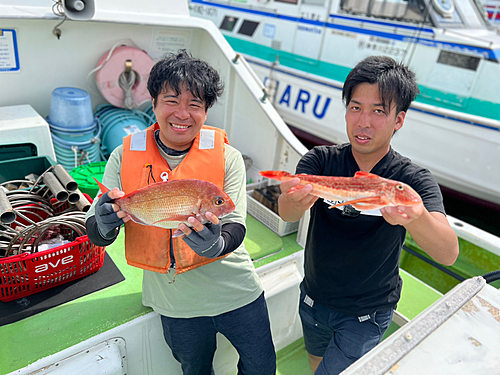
point(108, 215)
point(295, 199)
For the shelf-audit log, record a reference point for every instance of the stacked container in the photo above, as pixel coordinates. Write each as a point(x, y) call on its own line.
point(75, 131)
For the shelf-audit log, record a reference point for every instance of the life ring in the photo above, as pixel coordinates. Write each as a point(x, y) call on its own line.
point(108, 75)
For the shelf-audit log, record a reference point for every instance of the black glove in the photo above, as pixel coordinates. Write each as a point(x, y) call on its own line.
point(208, 242)
point(107, 219)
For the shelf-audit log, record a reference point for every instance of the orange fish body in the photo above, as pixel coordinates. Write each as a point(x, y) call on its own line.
point(365, 191)
point(166, 204)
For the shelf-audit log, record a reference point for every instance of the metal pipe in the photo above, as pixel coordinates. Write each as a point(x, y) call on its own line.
point(65, 178)
point(7, 214)
point(74, 197)
point(83, 204)
point(55, 187)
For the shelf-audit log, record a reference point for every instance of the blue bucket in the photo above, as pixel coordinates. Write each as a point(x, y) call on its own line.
point(70, 108)
point(117, 123)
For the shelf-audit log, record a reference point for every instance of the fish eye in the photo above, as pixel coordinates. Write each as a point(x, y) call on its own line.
point(400, 187)
point(219, 201)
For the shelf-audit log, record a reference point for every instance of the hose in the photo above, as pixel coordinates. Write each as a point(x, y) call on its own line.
point(126, 81)
point(492, 276)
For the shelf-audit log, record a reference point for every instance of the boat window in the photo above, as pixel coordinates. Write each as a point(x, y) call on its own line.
point(459, 60)
point(248, 27)
point(287, 1)
point(415, 12)
point(483, 13)
point(228, 23)
point(405, 10)
point(355, 6)
point(388, 9)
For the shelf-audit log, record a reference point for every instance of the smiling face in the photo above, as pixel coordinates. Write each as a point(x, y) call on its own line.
point(180, 117)
point(370, 126)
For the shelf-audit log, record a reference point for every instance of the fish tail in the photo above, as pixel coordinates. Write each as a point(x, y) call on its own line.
point(103, 188)
point(276, 175)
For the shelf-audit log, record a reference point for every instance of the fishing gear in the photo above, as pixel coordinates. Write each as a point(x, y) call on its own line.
point(65, 178)
point(41, 212)
point(55, 187)
point(7, 214)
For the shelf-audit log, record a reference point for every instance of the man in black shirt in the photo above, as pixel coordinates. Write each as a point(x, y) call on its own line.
point(352, 282)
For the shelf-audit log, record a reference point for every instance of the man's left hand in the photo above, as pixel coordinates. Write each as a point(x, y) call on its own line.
point(402, 215)
point(206, 240)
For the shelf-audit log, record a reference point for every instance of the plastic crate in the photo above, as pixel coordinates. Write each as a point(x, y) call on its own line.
point(269, 218)
point(17, 169)
point(25, 274)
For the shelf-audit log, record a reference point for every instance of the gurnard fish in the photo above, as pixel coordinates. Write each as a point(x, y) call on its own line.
point(365, 191)
point(166, 204)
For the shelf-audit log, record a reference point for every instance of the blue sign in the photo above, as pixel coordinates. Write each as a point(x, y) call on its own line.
point(9, 55)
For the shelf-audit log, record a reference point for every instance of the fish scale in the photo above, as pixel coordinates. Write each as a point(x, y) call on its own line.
point(364, 191)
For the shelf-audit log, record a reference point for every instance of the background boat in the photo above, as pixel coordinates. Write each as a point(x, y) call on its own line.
point(492, 7)
point(303, 50)
point(109, 330)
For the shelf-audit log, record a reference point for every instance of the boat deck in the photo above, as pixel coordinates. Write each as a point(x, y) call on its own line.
point(63, 326)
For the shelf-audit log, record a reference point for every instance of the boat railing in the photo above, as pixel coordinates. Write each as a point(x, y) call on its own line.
point(490, 123)
point(239, 58)
point(490, 43)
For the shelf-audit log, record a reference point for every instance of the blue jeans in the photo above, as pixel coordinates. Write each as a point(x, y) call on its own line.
point(193, 343)
point(338, 338)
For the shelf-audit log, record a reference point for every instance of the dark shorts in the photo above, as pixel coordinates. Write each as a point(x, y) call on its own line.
point(340, 339)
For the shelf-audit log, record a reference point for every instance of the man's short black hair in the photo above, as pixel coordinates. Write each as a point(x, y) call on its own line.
point(396, 82)
point(176, 70)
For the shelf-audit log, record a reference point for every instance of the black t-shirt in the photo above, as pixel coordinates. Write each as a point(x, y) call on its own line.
point(352, 263)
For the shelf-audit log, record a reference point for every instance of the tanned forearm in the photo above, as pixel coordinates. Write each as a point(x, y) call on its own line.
point(432, 232)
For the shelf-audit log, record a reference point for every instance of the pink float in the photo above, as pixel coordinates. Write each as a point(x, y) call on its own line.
point(108, 76)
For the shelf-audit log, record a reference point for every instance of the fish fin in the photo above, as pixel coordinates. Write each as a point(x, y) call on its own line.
point(135, 219)
point(368, 203)
point(103, 188)
point(177, 233)
point(361, 174)
point(181, 218)
point(276, 175)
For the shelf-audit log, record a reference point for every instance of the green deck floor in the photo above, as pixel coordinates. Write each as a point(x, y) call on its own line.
point(293, 360)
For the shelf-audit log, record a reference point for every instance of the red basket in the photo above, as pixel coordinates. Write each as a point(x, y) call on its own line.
point(25, 274)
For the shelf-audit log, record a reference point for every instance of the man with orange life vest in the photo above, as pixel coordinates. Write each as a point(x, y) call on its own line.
point(216, 288)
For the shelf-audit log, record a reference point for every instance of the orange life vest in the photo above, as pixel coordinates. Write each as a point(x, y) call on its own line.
point(150, 247)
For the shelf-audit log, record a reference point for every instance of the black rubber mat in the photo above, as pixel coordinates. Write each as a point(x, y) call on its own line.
point(21, 308)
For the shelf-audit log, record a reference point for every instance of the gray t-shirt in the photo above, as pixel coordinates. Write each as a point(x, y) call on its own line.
point(224, 285)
